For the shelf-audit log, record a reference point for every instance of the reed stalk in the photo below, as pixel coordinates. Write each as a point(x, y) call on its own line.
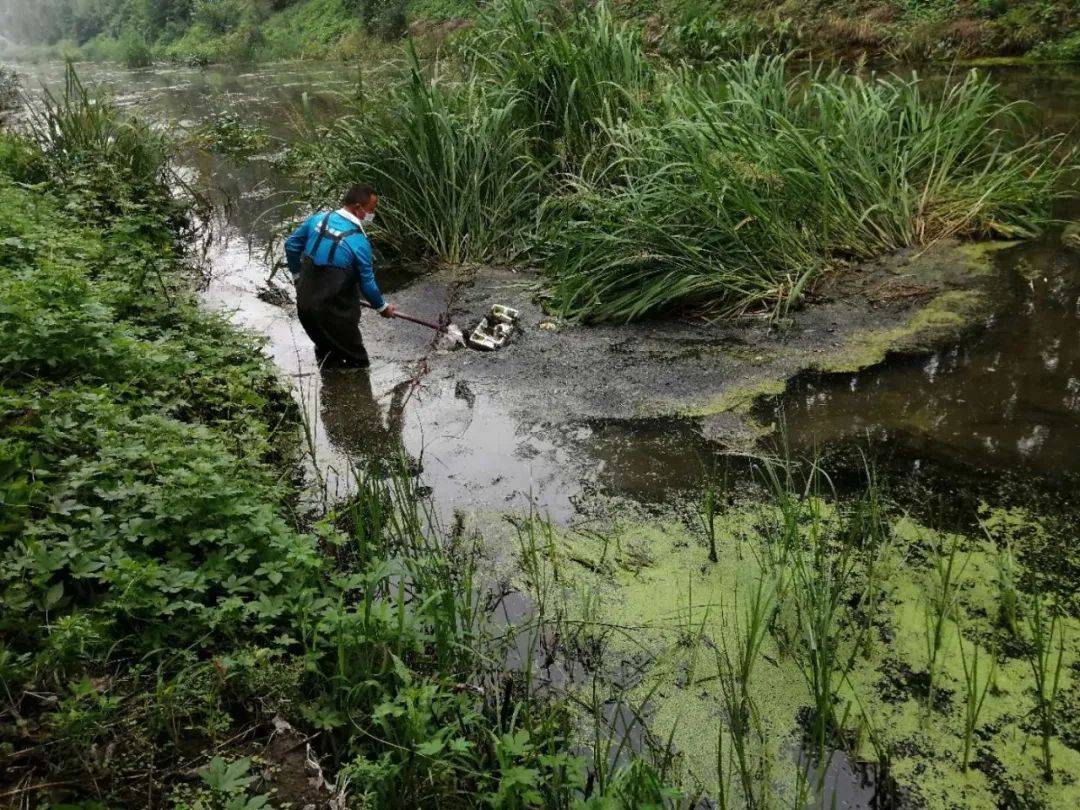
point(975, 693)
point(1046, 659)
point(941, 607)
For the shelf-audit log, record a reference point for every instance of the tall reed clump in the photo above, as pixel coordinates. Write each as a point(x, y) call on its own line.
point(750, 182)
point(451, 163)
point(95, 150)
point(575, 68)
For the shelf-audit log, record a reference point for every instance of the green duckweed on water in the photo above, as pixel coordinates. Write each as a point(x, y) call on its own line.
point(661, 612)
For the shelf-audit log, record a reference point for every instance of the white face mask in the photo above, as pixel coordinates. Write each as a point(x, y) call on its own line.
point(368, 217)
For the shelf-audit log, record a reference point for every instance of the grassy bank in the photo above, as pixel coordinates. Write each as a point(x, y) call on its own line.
point(911, 30)
point(136, 31)
point(550, 138)
point(175, 630)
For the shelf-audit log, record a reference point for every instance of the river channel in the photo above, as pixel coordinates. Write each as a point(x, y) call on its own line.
point(1005, 399)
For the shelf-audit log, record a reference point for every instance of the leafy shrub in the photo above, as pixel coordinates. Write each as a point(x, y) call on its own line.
point(220, 16)
point(1066, 49)
point(136, 50)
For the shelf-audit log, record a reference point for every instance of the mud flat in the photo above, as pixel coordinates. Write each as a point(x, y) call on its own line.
point(711, 372)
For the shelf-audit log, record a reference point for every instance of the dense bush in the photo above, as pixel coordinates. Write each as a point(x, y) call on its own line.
point(136, 51)
point(220, 16)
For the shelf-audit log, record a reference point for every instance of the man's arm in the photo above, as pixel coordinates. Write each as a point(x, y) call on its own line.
point(365, 272)
point(294, 247)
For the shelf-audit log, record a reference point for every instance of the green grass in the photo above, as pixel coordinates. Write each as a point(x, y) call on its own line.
point(452, 165)
point(163, 595)
point(754, 180)
point(640, 190)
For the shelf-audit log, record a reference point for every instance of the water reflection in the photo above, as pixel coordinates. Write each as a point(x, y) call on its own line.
point(353, 417)
point(1006, 397)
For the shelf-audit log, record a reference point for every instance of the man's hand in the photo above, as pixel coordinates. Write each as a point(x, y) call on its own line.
point(389, 311)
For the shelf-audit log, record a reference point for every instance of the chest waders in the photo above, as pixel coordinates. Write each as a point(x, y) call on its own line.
point(328, 302)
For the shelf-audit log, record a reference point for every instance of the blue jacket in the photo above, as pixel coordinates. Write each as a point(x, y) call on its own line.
point(353, 253)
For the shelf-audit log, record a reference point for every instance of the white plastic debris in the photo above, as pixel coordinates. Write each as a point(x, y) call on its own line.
point(494, 328)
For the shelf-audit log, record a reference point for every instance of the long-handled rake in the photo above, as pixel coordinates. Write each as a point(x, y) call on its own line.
point(449, 332)
point(489, 334)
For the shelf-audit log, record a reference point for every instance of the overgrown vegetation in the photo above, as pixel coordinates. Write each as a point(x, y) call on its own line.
point(639, 189)
point(905, 29)
point(167, 605)
point(807, 634)
point(228, 132)
point(695, 30)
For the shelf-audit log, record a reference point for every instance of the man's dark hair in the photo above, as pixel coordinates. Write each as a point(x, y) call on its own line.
point(358, 195)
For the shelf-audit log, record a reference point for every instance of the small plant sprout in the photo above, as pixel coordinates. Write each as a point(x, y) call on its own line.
point(1008, 595)
point(707, 508)
point(747, 757)
point(942, 603)
point(1046, 638)
point(976, 688)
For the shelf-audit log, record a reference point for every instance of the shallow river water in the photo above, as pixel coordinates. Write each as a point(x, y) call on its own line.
point(1006, 398)
point(1004, 402)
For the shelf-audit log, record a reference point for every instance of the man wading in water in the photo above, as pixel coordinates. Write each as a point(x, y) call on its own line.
point(329, 257)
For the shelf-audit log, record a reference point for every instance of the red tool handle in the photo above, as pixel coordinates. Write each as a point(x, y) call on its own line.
point(405, 317)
